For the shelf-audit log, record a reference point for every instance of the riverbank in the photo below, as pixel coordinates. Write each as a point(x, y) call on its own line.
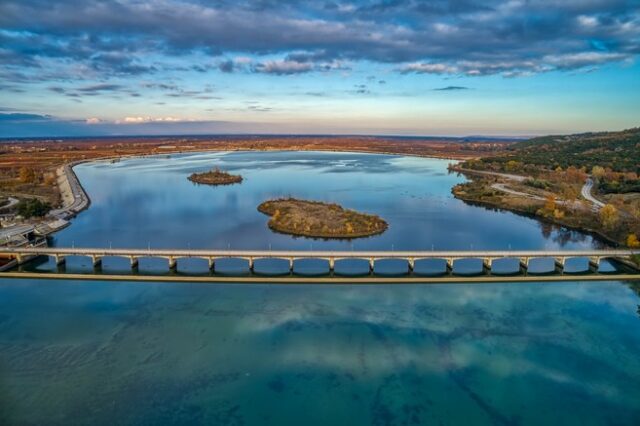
point(74, 200)
point(487, 189)
point(41, 158)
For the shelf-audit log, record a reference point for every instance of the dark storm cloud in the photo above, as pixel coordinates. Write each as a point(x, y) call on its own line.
point(463, 37)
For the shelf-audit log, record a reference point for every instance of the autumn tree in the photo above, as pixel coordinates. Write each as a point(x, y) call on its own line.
point(569, 193)
point(609, 216)
point(28, 175)
point(598, 172)
point(551, 208)
point(632, 241)
point(512, 166)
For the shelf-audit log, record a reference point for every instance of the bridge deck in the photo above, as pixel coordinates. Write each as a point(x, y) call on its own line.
point(452, 279)
point(124, 252)
point(21, 255)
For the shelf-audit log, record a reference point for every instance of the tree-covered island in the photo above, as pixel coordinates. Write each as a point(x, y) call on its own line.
point(215, 177)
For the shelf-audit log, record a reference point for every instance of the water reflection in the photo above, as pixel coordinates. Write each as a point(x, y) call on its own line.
point(114, 353)
point(281, 355)
point(146, 201)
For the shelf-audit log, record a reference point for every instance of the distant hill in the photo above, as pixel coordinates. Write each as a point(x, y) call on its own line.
point(619, 151)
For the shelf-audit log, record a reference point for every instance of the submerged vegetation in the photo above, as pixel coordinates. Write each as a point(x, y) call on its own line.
point(321, 220)
point(215, 177)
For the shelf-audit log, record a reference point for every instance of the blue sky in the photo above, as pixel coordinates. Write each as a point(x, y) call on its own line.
point(458, 67)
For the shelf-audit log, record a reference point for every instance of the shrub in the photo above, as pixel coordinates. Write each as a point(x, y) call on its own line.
point(33, 208)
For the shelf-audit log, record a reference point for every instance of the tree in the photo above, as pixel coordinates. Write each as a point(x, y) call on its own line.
point(28, 175)
point(32, 208)
point(569, 193)
point(512, 166)
point(632, 241)
point(549, 205)
point(609, 216)
point(598, 172)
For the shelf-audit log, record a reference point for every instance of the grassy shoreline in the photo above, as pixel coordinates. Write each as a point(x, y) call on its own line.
point(478, 191)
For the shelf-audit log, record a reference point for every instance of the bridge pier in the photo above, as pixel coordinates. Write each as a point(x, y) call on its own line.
point(487, 262)
point(524, 265)
point(250, 264)
point(96, 261)
point(372, 264)
point(173, 263)
point(412, 264)
point(291, 264)
point(594, 264)
point(212, 264)
point(332, 264)
point(559, 263)
point(134, 262)
point(449, 267)
point(60, 260)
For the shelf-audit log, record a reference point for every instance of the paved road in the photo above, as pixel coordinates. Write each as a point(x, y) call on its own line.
point(501, 187)
point(12, 231)
point(303, 254)
point(73, 195)
point(586, 188)
point(12, 202)
point(586, 194)
point(517, 178)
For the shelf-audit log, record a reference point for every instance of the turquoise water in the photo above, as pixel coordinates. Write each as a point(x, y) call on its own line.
point(143, 353)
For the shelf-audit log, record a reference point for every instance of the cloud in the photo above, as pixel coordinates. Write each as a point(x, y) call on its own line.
point(103, 87)
point(29, 125)
point(283, 67)
point(465, 37)
point(428, 68)
point(361, 89)
point(139, 120)
point(450, 88)
point(19, 117)
point(227, 66)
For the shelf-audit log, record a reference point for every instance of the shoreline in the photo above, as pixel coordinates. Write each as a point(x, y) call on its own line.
point(82, 200)
point(521, 212)
point(347, 217)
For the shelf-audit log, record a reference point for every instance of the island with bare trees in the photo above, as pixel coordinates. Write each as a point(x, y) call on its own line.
point(319, 220)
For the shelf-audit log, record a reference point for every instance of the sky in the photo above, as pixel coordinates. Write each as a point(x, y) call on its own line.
point(378, 67)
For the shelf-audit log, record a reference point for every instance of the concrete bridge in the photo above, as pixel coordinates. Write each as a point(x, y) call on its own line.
point(22, 255)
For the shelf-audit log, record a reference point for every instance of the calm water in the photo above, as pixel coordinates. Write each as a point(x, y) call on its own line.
point(133, 353)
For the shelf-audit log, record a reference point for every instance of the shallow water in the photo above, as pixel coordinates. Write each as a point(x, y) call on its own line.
point(144, 353)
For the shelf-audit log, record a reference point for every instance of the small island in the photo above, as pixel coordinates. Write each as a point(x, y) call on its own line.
point(319, 220)
point(215, 177)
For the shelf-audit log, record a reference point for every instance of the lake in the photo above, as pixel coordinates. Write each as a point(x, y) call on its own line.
point(161, 353)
